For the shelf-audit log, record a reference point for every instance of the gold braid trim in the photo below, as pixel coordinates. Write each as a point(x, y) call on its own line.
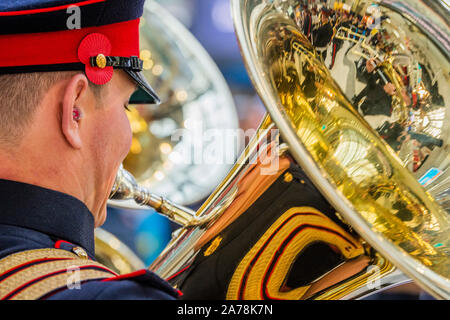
point(16, 259)
point(37, 280)
point(248, 279)
point(55, 282)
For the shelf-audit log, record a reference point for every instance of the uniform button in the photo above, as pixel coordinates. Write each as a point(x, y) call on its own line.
point(288, 177)
point(80, 252)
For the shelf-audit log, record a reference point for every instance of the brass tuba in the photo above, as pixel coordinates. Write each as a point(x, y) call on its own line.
point(344, 190)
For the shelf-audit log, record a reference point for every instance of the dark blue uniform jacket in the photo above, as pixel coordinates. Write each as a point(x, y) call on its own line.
point(32, 217)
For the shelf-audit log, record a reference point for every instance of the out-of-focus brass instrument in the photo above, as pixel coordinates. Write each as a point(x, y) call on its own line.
point(168, 148)
point(168, 151)
point(114, 253)
point(265, 232)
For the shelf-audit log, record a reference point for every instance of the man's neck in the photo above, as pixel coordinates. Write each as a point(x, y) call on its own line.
point(45, 169)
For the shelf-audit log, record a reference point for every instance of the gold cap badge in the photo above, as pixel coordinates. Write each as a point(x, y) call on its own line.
point(100, 60)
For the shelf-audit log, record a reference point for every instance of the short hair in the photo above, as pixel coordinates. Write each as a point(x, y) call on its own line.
point(20, 95)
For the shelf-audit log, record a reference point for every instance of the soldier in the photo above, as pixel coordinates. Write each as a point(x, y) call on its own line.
point(68, 70)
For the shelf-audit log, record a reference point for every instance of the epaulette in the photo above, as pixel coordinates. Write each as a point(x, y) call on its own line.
point(36, 274)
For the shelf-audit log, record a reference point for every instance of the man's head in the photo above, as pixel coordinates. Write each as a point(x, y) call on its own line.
point(96, 132)
point(62, 132)
point(324, 16)
point(63, 93)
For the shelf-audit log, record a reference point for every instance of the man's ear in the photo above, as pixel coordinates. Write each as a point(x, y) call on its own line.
point(75, 97)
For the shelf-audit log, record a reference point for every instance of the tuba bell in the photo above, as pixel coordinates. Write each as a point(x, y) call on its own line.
point(344, 190)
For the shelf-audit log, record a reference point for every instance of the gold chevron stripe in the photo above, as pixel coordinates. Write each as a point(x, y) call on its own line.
point(55, 282)
point(17, 259)
point(49, 275)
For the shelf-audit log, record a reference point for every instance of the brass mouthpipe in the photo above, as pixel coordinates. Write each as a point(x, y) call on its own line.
point(126, 188)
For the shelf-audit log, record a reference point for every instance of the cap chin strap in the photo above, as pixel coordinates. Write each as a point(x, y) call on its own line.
point(132, 63)
point(133, 66)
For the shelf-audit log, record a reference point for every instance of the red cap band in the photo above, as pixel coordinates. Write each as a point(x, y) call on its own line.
point(61, 47)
